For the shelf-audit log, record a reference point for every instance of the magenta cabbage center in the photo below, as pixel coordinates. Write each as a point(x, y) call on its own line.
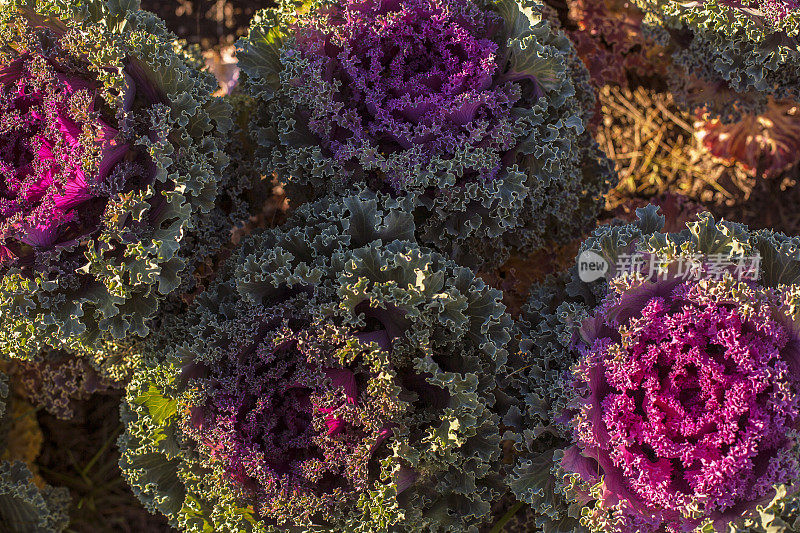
point(56, 157)
point(687, 405)
point(283, 427)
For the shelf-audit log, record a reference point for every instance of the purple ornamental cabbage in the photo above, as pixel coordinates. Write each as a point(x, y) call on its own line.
point(416, 75)
point(335, 377)
point(288, 432)
point(109, 156)
point(686, 406)
point(663, 400)
point(475, 109)
point(50, 129)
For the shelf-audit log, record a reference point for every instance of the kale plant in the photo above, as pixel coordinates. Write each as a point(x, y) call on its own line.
point(664, 399)
point(337, 376)
point(476, 110)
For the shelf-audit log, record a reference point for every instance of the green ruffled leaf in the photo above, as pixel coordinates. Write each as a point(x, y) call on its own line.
point(161, 409)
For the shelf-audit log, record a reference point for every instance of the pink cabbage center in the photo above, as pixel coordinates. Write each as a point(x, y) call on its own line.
point(692, 403)
point(51, 137)
point(777, 10)
point(278, 425)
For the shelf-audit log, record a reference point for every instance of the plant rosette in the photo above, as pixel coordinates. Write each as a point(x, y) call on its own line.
point(476, 110)
point(108, 154)
point(664, 401)
point(336, 377)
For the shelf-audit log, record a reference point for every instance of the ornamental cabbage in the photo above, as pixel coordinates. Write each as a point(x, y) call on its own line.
point(336, 376)
point(735, 54)
point(686, 404)
point(285, 422)
point(107, 156)
point(664, 400)
point(477, 110)
point(50, 128)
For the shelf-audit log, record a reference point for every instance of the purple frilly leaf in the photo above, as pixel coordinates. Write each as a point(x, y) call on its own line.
point(405, 477)
point(344, 378)
point(39, 235)
point(380, 337)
